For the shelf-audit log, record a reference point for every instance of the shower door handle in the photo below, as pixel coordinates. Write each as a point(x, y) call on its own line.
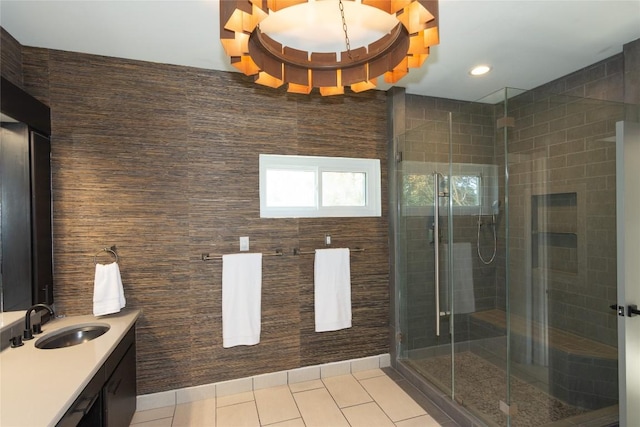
point(632, 310)
point(618, 308)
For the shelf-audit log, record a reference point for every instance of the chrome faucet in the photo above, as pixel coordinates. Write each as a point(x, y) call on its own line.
point(28, 333)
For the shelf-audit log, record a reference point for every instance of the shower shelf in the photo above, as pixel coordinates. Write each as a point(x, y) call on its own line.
point(561, 240)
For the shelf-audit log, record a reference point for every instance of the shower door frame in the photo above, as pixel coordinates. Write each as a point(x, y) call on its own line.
point(628, 233)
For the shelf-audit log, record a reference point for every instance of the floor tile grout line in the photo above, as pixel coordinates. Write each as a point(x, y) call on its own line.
point(155, 419)
point(368, 394)
point(334, 399)
point(255, 405)
point(379, 407)
point(174, 413)
point(281, 421)
point(159, 417)
point(373, 399)
point(295, 402)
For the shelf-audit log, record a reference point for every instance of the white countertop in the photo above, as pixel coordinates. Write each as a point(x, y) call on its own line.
point(38, 386)
point(8, 318)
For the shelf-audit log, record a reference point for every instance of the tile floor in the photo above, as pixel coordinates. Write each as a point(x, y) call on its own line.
point(367, 399)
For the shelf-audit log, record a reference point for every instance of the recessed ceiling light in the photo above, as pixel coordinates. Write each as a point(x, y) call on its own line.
point(480, 70)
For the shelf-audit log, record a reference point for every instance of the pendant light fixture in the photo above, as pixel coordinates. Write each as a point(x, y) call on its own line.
point(266, 39)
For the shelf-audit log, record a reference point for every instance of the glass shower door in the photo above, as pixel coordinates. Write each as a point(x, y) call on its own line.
point(520, 274)
point(425, 341)
point(562, 268)
point(448, 255)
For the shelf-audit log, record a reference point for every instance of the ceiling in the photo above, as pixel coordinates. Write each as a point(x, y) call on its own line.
point(527, 43)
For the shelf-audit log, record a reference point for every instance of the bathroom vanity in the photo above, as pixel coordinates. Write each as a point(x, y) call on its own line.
point(88, 384)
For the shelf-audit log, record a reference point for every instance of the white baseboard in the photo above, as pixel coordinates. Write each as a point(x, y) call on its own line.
point(241, 385)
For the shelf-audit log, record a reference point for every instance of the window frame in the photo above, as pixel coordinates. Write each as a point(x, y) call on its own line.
point(320, 164)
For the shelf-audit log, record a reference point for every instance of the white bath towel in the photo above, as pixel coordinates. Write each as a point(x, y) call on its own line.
point(241, 299)
point(108, 293)
point(332, 289)
point(464, 300)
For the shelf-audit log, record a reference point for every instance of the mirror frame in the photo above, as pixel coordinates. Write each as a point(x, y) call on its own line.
point(22, 107)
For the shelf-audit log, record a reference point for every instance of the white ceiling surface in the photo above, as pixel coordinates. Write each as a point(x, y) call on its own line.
point(527, 43)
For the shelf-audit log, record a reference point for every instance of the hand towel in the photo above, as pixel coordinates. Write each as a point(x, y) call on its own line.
point(332, 289)
point(108, 293)
point(241, 299)
point(464, 300)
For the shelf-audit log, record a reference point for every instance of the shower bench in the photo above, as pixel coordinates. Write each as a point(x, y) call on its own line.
point(582, 372)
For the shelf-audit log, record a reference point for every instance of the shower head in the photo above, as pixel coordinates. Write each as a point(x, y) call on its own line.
point(495, 207)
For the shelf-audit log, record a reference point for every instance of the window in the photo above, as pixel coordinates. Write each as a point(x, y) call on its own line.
point(465, 190)
point(306, 186)
point(473, 187)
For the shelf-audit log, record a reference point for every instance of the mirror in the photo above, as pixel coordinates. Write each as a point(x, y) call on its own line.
point(26, 255)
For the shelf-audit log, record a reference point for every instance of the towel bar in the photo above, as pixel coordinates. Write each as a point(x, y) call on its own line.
point(297, 251)
point(207, 257)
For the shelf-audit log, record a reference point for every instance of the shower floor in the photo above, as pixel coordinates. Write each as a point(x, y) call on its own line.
point(480, 386)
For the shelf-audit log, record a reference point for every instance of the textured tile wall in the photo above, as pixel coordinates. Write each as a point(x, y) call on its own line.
point(10, 58)
point(162, 161)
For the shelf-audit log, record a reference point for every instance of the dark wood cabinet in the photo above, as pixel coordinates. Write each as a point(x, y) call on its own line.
point(109, 400)
point(87, 409)
point(119, 392)
point(41, 219)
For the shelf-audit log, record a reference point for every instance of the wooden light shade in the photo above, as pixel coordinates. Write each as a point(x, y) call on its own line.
point(255, 53)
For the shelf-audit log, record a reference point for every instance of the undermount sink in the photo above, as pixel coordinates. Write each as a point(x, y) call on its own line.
point(72, 335)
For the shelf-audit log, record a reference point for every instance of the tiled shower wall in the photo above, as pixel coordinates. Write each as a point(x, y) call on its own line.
point(162, 161)
point(563, 150)
point(558, 144)
point(565, 144)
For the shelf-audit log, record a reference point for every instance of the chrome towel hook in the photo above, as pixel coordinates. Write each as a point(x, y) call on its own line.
point(112, 250)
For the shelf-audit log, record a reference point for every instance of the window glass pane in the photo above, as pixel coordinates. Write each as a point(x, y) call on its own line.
point(344, 188)
point(291, 188)
point(295, 186)
point(465, 190)
point(472, 186)
point(418, 190)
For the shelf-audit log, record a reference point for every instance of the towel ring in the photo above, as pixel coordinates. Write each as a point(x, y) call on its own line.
point(112, 250)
